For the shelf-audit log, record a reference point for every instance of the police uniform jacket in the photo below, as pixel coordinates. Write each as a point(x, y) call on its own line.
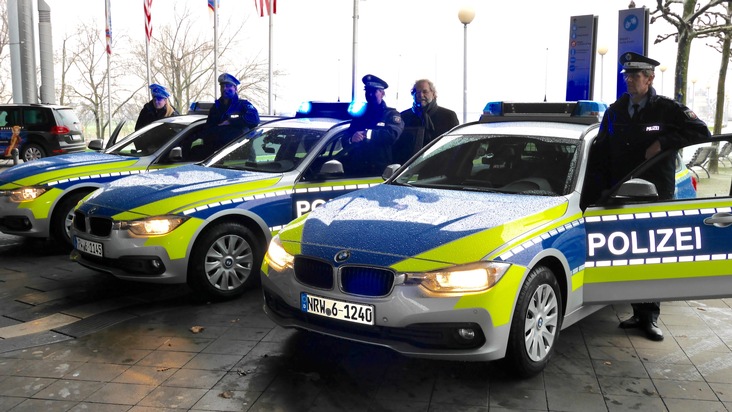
point(421, 127)
point(386, 126)
point(239, 112)
point(149, 114)
point(622, 142)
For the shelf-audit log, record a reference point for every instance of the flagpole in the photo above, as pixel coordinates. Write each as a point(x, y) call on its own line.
point(269, 74)
point(355, 47)
point(216, 47)
point(147, 6)
point(108, 34)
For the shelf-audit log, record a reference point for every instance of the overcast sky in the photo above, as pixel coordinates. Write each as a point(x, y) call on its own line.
point(517, 50)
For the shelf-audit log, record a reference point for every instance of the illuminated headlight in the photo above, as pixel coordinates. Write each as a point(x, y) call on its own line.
point(474, 277)
point(277, 257)
point(151, 226)
point(24, 194)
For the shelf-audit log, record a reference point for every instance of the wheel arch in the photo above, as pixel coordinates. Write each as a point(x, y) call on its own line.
point(250, 220)
point(554, 261)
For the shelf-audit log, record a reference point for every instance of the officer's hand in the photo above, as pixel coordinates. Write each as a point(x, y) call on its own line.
point(358, 136)
point(224, 123)
point(653, 149)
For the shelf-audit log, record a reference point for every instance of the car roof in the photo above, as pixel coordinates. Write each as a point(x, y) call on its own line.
point(316, 123)
point(50, 106)
point(527, 128)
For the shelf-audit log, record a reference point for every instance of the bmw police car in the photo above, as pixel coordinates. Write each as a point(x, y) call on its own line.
point(37, 198)
point(209, 224)
point(480, 247)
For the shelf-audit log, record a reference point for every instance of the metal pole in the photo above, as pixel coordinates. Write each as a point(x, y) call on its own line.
point(465, 73)
point(109, 99)
point(355, 49)
point(602, 76)
point(269, 75)
point(216, 48)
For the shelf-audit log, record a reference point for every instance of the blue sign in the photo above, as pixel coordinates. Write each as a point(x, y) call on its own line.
point(632, 37)
point(580, 62)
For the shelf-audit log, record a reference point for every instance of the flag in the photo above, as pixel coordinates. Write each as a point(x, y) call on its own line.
point(270, 5)
point(147, 5)
point(108, 29)
point(212, 4)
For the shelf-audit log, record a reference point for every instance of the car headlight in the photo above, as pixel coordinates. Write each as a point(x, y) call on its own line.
point(151, 226)
point(277, 257)
point(24, 194)
point(474, 277)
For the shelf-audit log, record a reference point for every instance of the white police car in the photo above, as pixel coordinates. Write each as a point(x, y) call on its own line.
point(209, 224)
point(480, 247)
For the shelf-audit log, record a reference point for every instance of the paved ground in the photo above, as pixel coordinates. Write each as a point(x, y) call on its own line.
point(75, 340)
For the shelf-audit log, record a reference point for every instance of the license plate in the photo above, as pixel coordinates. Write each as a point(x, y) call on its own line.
point(337, 309)
point(87, 246)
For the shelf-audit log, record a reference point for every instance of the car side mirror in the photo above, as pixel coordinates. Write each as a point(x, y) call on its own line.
point(176, 154)
point(390, 170)
point(638, 190)
point(96, 144)
point(331, 167)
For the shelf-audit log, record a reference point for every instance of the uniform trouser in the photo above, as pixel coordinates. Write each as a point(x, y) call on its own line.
point(647, 311)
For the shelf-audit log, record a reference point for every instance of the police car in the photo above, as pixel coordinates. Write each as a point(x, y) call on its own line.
point(209, 224)
point(37, 198)
point(481, 247)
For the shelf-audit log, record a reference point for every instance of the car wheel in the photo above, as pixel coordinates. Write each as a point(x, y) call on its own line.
point(225, 262)
point(32, 151)
point(62, 218)
point(537, 320)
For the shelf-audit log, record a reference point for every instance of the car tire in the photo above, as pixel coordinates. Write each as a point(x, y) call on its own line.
point(537, 320)
point(225, 261)
point(61, 217)
point(32, 151)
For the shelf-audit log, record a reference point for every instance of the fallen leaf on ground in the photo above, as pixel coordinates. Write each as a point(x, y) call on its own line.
point(197, 329)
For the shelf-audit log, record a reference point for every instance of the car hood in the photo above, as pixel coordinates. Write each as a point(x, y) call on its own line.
point(55, 168)
point(407, 221)
point(175, 190)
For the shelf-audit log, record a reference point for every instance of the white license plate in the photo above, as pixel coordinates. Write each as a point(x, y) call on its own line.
point(87, 246)
point(337, 309)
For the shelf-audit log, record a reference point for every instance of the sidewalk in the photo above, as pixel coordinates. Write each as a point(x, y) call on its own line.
point(177, 355)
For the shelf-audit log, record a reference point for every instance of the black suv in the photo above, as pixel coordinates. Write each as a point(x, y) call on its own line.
point(43, 130)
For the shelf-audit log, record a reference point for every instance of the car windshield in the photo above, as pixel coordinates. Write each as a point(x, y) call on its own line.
point(68, 117)
point(147, 140)
point(269, 150)
point(495, 163)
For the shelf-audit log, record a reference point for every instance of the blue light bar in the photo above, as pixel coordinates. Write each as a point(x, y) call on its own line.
point(356, 108)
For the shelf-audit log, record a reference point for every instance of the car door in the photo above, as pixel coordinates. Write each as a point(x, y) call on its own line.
point(649, 250)
point(326, 178)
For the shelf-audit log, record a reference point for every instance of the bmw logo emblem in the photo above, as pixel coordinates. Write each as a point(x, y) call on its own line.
point(342, 256)
point(93, 210)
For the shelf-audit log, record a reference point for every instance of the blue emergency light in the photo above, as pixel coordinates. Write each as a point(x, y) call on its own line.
point(587, 110)
point(334, 110)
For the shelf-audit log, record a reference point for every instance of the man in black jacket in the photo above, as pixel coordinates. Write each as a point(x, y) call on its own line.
point(423, 122)
point(638, 126)
point(370, 137)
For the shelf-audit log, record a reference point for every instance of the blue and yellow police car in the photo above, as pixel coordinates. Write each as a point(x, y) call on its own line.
point(37, 198)
point(208, 225)
point(481, 247)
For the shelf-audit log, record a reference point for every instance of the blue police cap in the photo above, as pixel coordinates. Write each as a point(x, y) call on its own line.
point(227, 78)
point(372, 81)
point(632, 61)
point(159, 91)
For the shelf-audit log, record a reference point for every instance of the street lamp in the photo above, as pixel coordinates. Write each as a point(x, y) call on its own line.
point(602, 51)
point(663, 70)
point(466, 15)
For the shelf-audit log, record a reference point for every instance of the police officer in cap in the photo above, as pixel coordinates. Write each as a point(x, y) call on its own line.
point(638, 126)
point(371, 135)
point(233, 114)
point(157, 108)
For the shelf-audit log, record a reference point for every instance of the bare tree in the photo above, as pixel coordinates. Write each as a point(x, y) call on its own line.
point(685, 16)
point(5, 84)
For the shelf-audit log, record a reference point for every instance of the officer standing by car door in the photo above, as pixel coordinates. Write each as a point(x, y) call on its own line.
point(370, 137)
point(638, 126)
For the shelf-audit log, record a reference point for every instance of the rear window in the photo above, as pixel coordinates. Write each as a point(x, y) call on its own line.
point(67, 117)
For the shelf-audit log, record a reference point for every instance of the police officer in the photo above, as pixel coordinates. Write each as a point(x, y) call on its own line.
point(638, 126)
point(423, 122)
point(157, 108)
point(371, 135)
point(231, 116)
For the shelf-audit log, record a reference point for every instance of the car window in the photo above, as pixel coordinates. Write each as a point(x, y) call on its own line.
point(37, 119)
point(9, 116)
point(149, 141)
point(270, 150)
point(333, 151)
point(511, 164)
point(67, 117)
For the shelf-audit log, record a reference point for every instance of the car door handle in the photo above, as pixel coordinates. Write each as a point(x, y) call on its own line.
point(719, 220)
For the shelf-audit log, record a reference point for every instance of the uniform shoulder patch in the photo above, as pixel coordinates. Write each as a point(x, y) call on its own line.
point(396, 119)
point(690, 114)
